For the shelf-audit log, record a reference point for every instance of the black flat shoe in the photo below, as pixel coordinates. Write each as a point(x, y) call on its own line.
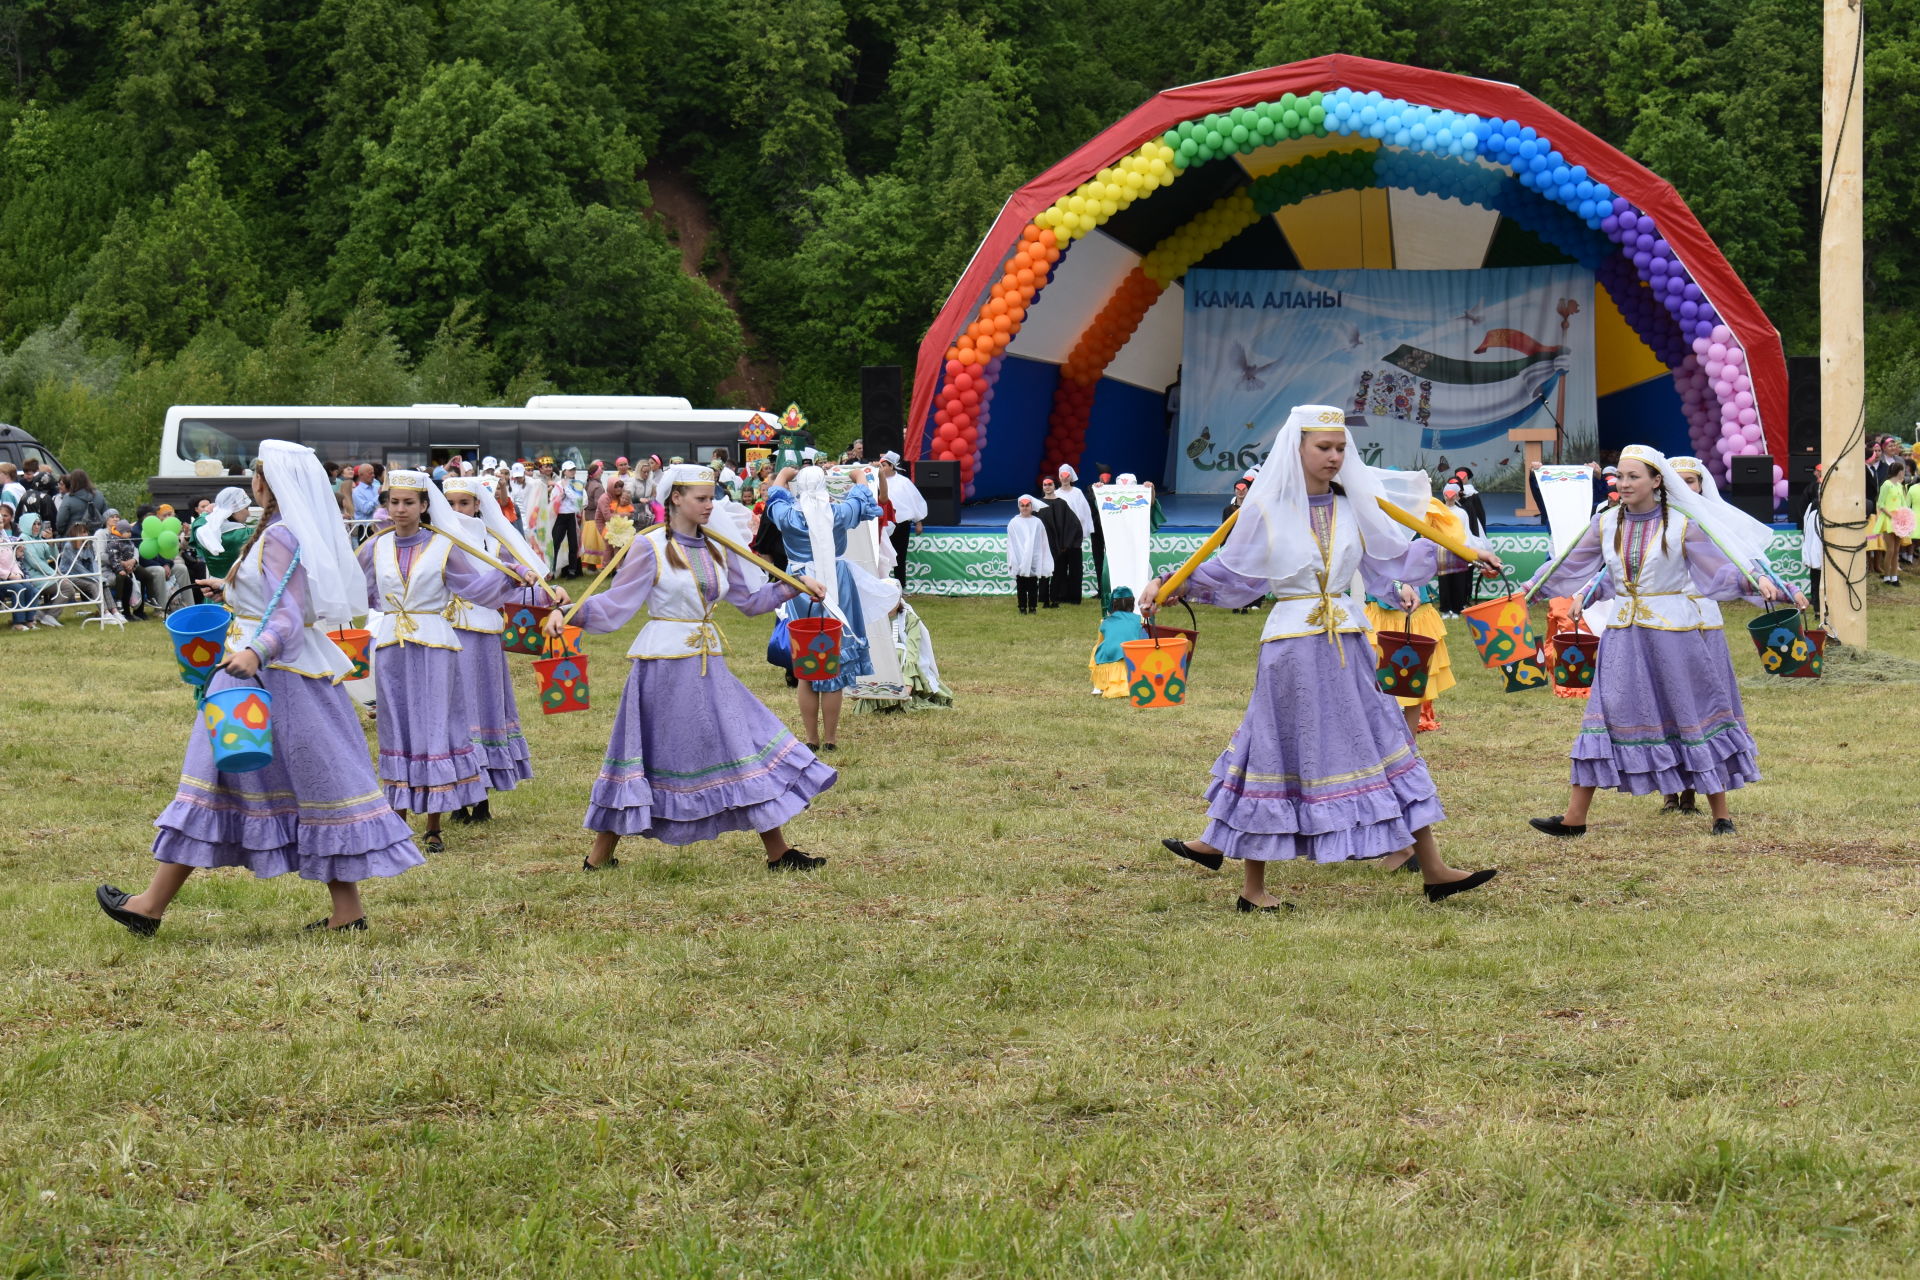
point(482, 812)
point(1441, 892)
point(794, 860)
point(351, 926)
point(1687, 804)
point(829, 746)
point(1723, 826)
point(1411, 864)
point(1243, 905)
point(1672, 805)
point(1211, 861)
point(434, 844)
point(114, 902)
point(462, 815)
point(1554, 827)
point(587, 864)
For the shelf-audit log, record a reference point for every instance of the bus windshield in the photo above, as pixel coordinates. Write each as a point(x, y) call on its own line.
point(233, 442)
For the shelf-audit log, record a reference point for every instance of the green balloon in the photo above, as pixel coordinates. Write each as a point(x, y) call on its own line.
point(171, 524)
point(150, 527)
point(148, 549)
point(169, 544)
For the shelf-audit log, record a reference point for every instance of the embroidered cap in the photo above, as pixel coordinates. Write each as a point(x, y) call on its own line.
point(418, 481)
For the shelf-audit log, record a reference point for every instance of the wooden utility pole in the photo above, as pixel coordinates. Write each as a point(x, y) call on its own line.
point(1843, 359)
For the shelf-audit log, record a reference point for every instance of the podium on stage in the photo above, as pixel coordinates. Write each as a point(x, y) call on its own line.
point(1530, 439)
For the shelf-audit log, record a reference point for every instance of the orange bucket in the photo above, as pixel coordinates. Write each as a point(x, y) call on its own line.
point(1500, 629)
point(816, 647)
point(1157, 670)
point(354, 643)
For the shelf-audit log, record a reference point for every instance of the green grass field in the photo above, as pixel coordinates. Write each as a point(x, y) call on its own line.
point(1002, 1033)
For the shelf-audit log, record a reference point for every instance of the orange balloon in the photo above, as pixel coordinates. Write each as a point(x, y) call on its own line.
point(1030, 231)
point(1025, 277)
point(1047, 238)
point(968, 356)
point(1001, 324)
point(1021, 262)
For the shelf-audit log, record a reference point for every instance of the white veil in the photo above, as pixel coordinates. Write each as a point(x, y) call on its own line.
point(226, 504)
point(1743, 539)
point(496, 522)
point(336, 588)
point(810, 491)
point(1273, 537)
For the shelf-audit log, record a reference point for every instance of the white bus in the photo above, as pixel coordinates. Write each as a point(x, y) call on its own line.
point(203, 446)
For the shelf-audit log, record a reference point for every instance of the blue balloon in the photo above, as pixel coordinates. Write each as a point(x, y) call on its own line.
point(1579, 173)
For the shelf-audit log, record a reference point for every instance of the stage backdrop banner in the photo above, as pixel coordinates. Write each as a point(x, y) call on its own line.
point(1126, 519)
point(1440, 364)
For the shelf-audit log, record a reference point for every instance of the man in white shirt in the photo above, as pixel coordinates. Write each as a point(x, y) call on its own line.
point(569, 496)
point(909, 510)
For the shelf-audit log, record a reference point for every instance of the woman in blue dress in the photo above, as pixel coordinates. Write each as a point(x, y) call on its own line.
point(815, 527)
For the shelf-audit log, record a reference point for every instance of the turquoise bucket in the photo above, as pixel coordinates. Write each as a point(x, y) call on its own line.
point(239, 720)
point(199, 637)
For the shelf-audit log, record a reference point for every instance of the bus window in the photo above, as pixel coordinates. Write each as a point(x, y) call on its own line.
point(46, 459)
point(354, 440)
point(576, 442)
point(232, 442)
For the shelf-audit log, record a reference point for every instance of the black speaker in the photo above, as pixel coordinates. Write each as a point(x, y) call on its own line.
point(883, 423)
point(939, 484)
point(1751, 485)
point(1803, 418)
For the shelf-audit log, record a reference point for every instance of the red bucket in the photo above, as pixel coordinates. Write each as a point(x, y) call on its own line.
point(563, 683)
point(522, 631)
point(1576, 657)
point(816, 647)
point(1403, 667)
point(1810, 669)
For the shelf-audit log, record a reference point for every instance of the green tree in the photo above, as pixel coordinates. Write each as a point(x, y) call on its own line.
point(155, 282)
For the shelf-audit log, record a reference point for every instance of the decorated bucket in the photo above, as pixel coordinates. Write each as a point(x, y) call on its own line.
point(1525, 675)
point(1576, 656)
point(198, 634)
point(521, 634)
point(1500, 629)
point(563, 683)
point(356, 644)
point(816, 647)
point(1816, 660)
point(1403, 667)
point(1157, 670)
point(1782, 641)
point(239, 720)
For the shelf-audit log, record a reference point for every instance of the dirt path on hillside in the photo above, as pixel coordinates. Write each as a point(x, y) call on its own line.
point(679, 206)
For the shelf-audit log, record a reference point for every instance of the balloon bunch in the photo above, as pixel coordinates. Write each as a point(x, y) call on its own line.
point(160, 537)
point(1403, 124)
point(1311, 176)
point(1150, 167)
point(1643, 313)
point(1122, 313)
point(1245, 129)
point(973, 362)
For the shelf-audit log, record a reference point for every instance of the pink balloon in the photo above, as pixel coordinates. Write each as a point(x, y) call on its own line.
point(1748, 417)
point(1716, 353)
point(1778, 474)
point(1722, 334)
point(1743, 383)
point(1744, 399)
point(1736, 357)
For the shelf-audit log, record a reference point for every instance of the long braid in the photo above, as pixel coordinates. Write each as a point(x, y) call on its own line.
point(1663, 518)
point(268, 510)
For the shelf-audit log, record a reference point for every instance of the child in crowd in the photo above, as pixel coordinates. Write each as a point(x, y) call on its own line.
point(1107, 664)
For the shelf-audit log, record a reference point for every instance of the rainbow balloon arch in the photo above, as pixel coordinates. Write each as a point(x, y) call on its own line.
point(1385, 125)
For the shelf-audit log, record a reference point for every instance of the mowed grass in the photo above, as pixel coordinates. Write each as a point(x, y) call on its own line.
point(1002, 1033)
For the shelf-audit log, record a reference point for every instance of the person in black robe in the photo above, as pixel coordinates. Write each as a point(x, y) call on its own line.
point(1064, 536)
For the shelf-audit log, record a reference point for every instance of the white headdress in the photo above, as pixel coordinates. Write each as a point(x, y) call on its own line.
point(1743, 539)
point(225, 503)
point(336, 587)
point(810, 492)
point(496, 522)
point(1273, 537)
point(1068, 474)
point(1030, 499)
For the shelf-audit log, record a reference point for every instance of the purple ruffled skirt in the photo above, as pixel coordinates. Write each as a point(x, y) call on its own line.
point(486, 681)
point(315, 809)
point(1322, 767)
point(1664, 716)
point(694, 756)
point(427, 760)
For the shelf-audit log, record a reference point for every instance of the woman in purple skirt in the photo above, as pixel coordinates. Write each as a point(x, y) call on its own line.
point(316, 808)
point(1694, 472)
point(482, 676)
point(693, 753)
point(413, 574)
point(1323, 766)
point(1664, 715)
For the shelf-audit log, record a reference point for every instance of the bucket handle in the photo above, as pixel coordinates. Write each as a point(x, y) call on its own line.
point(827, 609)
point(1190, 618)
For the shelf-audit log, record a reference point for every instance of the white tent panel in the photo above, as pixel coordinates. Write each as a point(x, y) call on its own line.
point(1431, 233)
point(1084, 281)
